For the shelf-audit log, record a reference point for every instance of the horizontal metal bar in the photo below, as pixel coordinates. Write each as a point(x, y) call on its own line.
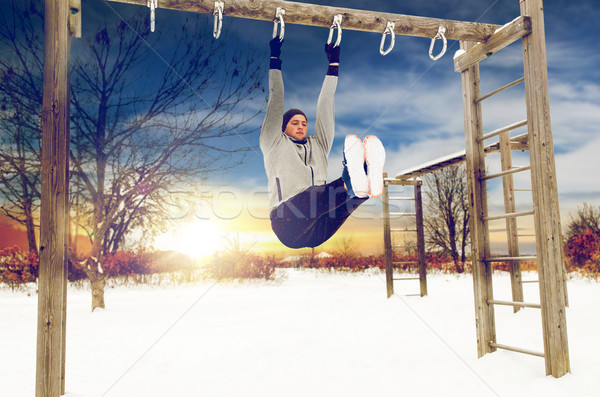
point(516, 349)
point(402, 198)
point(402, 214)
point(407, 278)
point(510, 259)
point(521, 190)
point(508, 216)
point(412, 295)
point(513, 170)
point(526, 235)
point(529, 281)
point(503, 129)
point(518, 304)
point(486, 96)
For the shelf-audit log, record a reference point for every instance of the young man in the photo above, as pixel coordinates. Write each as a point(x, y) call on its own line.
point(306, 211)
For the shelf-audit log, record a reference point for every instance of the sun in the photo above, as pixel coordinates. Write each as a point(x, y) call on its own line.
point(196, 239)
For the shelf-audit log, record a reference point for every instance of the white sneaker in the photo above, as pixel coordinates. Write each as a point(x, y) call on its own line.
point(354, 154)
point(375, 157)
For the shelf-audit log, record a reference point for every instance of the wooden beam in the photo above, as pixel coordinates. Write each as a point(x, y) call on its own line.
point(475, 159)
point(318, 15)
point(506, 35)
point(54, 199)
point(549, 243)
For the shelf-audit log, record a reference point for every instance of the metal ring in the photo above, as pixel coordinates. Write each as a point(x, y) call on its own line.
point(279, 15)
point(153, 4)
point(439, 35)
point(389, 29)
point(337, 22)
point(218, 13)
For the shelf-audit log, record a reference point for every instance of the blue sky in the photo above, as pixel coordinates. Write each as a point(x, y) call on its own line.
point(415, 104)
point(411, 102)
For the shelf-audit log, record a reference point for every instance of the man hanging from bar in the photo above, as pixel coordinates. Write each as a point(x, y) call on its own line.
point(306, 211)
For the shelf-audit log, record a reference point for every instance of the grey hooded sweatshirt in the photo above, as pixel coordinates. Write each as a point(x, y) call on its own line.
point(293, 166)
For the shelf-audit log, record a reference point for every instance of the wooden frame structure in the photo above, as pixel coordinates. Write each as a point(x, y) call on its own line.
point(389, 246)
point(63, 17)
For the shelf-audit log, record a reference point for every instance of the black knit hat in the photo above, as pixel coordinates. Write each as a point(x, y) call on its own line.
point(288, 115)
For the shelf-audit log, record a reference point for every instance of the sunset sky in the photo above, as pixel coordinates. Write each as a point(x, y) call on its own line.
point(411, 102)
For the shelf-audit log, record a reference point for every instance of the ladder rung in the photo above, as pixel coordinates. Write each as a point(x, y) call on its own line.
point(529, 281)
point(516, 349)
point(403, 230)
point(486, 96)
point(503, 129)
point(513, 170)
point(526, 235)
point(404, 263)
point(400, 246)
point(402, 198)
point(510, 259)
point(519, 304)
point(402, 214)
point(407, 278)
point(412, 295)
point(521, 190)
point(506, 216)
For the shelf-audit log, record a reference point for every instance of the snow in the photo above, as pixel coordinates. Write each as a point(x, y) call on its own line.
point(308, 333)
point(459, 53)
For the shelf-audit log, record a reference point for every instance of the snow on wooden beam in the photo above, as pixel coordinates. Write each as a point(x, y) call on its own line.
point(504, 36)
point(318, 15)
point(519, 142)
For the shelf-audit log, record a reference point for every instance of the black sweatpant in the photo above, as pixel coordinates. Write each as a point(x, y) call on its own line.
point(310, 218)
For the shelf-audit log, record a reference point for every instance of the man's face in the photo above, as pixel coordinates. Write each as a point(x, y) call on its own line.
point(296, 127)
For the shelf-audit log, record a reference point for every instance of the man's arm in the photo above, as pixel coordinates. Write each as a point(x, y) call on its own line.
point(271, 128)
point(325, 122)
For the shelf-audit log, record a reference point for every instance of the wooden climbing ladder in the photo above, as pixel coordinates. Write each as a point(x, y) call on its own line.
point(545, 209)
point(391, 245)
point(545, 212)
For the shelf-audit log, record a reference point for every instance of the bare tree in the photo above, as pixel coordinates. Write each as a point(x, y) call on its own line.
point(587, 218)
point(447, 215)
point(144, 130)
point(21, 67)
point(149, 119)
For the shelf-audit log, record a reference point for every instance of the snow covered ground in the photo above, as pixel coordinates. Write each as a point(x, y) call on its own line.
point(311, 333)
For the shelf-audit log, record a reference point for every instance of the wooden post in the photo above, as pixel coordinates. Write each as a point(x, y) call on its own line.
point(54, 208)
point(545, 194)
point(387, 238)
point(512, 236)
point(420, 239)
point(475, 159)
